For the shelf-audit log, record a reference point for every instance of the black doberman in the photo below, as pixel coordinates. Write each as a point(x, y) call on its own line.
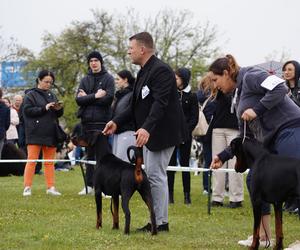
point(115, 177)
point(274, 179)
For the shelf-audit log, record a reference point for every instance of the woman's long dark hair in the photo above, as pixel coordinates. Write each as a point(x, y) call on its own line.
point(127, 74)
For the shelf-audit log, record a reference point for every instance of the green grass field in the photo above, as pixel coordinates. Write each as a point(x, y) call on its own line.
point(68, 221)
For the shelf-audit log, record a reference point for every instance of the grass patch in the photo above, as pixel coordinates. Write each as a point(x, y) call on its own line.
point(68, 221)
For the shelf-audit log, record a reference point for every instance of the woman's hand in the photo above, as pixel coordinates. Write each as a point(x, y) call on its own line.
point(249, 115)
point(216, 163)
point(110, 128)
point(57, 106)
point(49, 105)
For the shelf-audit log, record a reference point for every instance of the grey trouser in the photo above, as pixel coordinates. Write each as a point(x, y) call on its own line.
point(121, 142)
point(156, 164)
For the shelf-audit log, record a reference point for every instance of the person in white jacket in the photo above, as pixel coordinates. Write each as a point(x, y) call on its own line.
point(12, 133)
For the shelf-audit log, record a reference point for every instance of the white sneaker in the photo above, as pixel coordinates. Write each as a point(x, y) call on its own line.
point(106, 196)
point(27, 191)
point(52, 191)
point(90, 191)
point(248, 242)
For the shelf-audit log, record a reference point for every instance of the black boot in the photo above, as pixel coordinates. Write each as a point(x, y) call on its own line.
point(171, 198)
point(187, 198)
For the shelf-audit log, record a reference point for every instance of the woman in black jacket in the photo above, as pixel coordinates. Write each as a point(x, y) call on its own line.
point(41, 111)
point(124, 135)
point(189, 104)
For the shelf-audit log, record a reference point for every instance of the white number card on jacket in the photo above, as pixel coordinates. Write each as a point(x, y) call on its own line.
point(271, 82)
point(145, 91)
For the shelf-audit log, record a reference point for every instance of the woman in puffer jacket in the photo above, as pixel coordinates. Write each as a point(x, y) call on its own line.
point(41, 110)
point(124, 136)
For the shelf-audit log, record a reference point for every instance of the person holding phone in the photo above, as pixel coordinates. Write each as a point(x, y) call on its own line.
point(41, 112)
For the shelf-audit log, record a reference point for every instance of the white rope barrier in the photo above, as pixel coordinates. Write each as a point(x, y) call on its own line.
point(169, 168)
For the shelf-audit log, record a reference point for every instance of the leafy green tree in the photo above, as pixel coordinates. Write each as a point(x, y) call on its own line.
point(178, 41)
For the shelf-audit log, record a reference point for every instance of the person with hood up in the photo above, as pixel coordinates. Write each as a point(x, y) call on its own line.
point(189, 104)
point(94, 98)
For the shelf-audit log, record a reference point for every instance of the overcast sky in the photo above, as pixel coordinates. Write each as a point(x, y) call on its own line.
point(249, 29)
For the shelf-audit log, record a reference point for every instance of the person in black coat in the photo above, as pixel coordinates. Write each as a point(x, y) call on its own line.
point(124, 136)
point(158, 118)
point(41, 111)
point(94, 98)
point(4, 121)
point(189, 104)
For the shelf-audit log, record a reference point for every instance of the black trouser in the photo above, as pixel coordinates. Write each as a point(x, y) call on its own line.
point(89, 174)
point(183, 151)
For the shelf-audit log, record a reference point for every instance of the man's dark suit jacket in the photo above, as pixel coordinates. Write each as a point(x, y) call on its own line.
point(155, 106)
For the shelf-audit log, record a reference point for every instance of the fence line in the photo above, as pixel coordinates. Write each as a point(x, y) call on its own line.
point(169, 168)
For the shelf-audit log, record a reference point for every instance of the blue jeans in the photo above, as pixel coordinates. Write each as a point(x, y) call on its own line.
point(287, 143)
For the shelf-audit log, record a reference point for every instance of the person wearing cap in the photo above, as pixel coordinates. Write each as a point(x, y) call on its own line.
point(189, 104)
point(94, 98)
point(124, 136)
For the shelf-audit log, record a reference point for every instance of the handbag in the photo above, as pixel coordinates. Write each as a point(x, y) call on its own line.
point(61, 136)
point(202, 125)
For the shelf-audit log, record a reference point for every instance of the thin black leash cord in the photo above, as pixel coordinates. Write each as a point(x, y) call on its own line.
point(244, 135)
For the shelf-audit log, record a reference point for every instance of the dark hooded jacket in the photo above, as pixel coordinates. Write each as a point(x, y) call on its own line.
point(40, 124)
point(188, 100)
point(295, 91)
point(95, 113)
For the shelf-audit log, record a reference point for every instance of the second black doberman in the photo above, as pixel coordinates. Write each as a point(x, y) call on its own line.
point(274, 179)
point(115, 177)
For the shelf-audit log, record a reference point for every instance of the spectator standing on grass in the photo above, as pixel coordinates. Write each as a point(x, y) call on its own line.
point(41, 112)
point(4, 121)
point(189, 104)
point(124, 135)
point(94, 98)
point(224, 129)
point(12, 133)
point(207, 91)
point(158, 119)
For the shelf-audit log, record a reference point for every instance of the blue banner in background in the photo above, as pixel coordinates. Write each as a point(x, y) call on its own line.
point(12, 75)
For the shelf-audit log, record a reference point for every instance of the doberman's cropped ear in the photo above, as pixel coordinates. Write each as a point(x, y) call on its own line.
point(236, 146)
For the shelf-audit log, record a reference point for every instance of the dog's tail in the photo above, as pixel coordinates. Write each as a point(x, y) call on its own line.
point(136, 159)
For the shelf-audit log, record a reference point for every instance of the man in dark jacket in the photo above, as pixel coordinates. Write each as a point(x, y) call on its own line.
point(158, 118)
point(94, 97)
point(4, 121)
